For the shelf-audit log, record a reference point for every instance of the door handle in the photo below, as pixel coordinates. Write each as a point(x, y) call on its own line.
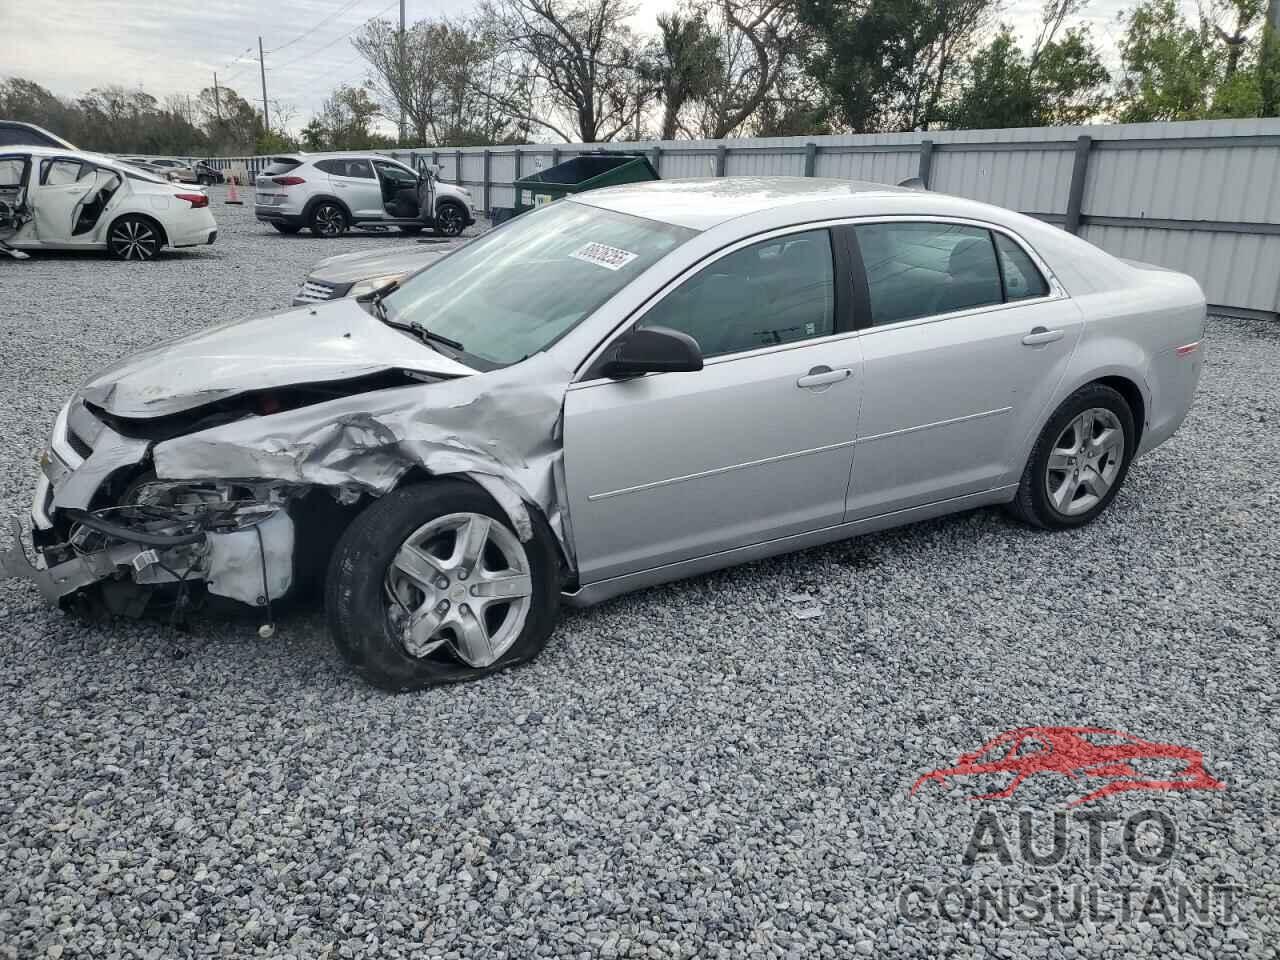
point(341, 186)
point(1040, 335)
point(823, 377)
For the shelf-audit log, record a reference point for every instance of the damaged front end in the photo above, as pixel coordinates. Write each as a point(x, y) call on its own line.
point(233, 541)
point(206, 469)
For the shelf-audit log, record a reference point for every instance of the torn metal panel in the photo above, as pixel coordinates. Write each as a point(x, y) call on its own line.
point(322, 343)
point(500, 429)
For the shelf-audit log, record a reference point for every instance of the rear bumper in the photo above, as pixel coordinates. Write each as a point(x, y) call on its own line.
point(277, 215)
point(198, 230)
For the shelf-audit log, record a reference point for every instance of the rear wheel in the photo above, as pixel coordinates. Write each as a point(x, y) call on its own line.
point(134, 238)
point(430, 585)
point(451, 220)
point(1079, 461)
point(328, 220)
point(288, 229)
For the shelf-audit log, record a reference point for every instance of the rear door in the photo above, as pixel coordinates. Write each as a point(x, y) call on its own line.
point(968, 336)
point(354, 183)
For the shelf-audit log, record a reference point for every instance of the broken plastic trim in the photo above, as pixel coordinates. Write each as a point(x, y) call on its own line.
point(119, 531)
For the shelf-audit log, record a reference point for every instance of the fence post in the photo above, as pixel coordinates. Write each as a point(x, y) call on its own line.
point(486, 182)
point(926, 162)
point(555, 155)
point(457, 168)
point(722, 153)
point(810, 157)
point(655, 158)
point(1075, 195)
point(435, 158)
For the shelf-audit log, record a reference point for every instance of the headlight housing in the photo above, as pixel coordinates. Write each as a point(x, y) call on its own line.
point(362, 287)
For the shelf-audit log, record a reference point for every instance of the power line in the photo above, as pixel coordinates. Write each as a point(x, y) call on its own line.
point(344, 36)
point(320, 24)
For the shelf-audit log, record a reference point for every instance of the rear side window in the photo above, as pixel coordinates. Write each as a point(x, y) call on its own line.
point(56, 172)
point(1022, 279)
point(773, 292)
point(280, 165)
point(923, 269)
point(11, 171)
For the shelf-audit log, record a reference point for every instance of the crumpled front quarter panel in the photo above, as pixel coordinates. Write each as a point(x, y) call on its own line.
point(499, 428)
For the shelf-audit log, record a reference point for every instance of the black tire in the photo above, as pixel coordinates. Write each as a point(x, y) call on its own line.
point(288, 229)
point(1033, 503)
point(411, 231)
point(328, 219)
point(204, 180)
point(451, 219)
point(356, 596)
point(134, 237)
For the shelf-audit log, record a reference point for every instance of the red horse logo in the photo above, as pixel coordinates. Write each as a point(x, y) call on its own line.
point(1076, 752)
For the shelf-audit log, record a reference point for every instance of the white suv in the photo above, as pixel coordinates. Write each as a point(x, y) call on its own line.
point(329, 192)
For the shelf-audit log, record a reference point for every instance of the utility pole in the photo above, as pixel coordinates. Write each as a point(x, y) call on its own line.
point(217, 98)
point(401, 69)
point(262, 65)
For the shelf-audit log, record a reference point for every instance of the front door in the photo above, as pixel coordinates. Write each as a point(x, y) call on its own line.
point(755, 446)
point(14, 209)
point(355, 185)
point(63, 184)
point(962, 356)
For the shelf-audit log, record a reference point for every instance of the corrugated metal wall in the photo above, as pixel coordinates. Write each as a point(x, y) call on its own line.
point(1202, 197)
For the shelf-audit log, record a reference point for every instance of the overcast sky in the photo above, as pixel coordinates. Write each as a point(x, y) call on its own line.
point(174, 46)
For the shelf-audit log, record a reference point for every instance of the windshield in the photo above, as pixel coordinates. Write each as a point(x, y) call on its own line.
point(516, 290)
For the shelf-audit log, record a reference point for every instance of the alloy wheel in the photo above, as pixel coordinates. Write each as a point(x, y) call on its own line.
point(449, 220)
point(330, 220)
point(1085, 461)
point(134, 239)
point(460, 582)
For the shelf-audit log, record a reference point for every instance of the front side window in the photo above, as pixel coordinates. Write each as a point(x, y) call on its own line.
point(922, 269)
point(58, 172)
point(777, 291)
point(396, 173)
point(516, 290)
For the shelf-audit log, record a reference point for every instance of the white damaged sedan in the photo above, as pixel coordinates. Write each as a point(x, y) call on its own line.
point(622, 388)
point(57, 199)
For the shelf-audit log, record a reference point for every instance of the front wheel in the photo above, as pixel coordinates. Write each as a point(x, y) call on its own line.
point(1079, 461)
point(328, 220)
point(134, 238)
point(430, 585)
point(451, 220)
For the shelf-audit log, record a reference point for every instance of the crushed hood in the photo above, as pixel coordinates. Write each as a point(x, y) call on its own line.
point(354, 267)
point(313, 344)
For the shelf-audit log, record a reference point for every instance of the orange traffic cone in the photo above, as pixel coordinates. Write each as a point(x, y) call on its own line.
point(232, 196)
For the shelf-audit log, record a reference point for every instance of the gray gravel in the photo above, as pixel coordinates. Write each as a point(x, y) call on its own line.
point(715, 768)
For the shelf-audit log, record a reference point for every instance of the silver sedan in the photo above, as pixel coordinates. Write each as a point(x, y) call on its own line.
point(619, 389)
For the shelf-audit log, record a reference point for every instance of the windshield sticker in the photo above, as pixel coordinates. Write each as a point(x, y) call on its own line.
point(603, 255)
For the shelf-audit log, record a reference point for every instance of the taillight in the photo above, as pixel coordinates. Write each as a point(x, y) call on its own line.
point(1187, 349)
point(288, 181)
point(197, 200)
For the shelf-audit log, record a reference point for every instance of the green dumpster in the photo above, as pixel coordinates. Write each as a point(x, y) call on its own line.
point(587, 172)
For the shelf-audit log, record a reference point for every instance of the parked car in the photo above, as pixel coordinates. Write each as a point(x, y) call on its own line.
point(615, 390)
point(15, 133)
point(163, 173)
point(179, 170)
point(206, 175)
point(56, 199)
point(356, 274)
point(331, 192)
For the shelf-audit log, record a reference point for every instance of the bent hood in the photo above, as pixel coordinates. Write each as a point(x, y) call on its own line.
point(354, 267)
point(315, 344)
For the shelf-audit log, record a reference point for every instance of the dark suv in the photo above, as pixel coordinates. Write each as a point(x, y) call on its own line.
point(15, 133)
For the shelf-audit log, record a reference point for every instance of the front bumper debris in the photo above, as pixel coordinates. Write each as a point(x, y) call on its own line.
point(68, 577)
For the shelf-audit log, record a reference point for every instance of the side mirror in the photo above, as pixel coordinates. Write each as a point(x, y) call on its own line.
point(652, 350)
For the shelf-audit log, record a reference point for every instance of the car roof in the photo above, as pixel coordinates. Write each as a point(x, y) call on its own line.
point(706, 202)
point(336, 155)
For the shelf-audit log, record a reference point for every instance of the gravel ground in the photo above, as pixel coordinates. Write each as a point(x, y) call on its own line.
point(718, 767)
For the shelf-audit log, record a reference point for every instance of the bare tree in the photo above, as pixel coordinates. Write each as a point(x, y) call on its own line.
point(402, 72)
point(758, 39)
point(682, 65)
point(567, 66)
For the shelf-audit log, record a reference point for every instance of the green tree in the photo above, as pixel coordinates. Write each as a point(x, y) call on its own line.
point(1171, 68)
point(683, 65)
point(887, 64)
point(1062, 83)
